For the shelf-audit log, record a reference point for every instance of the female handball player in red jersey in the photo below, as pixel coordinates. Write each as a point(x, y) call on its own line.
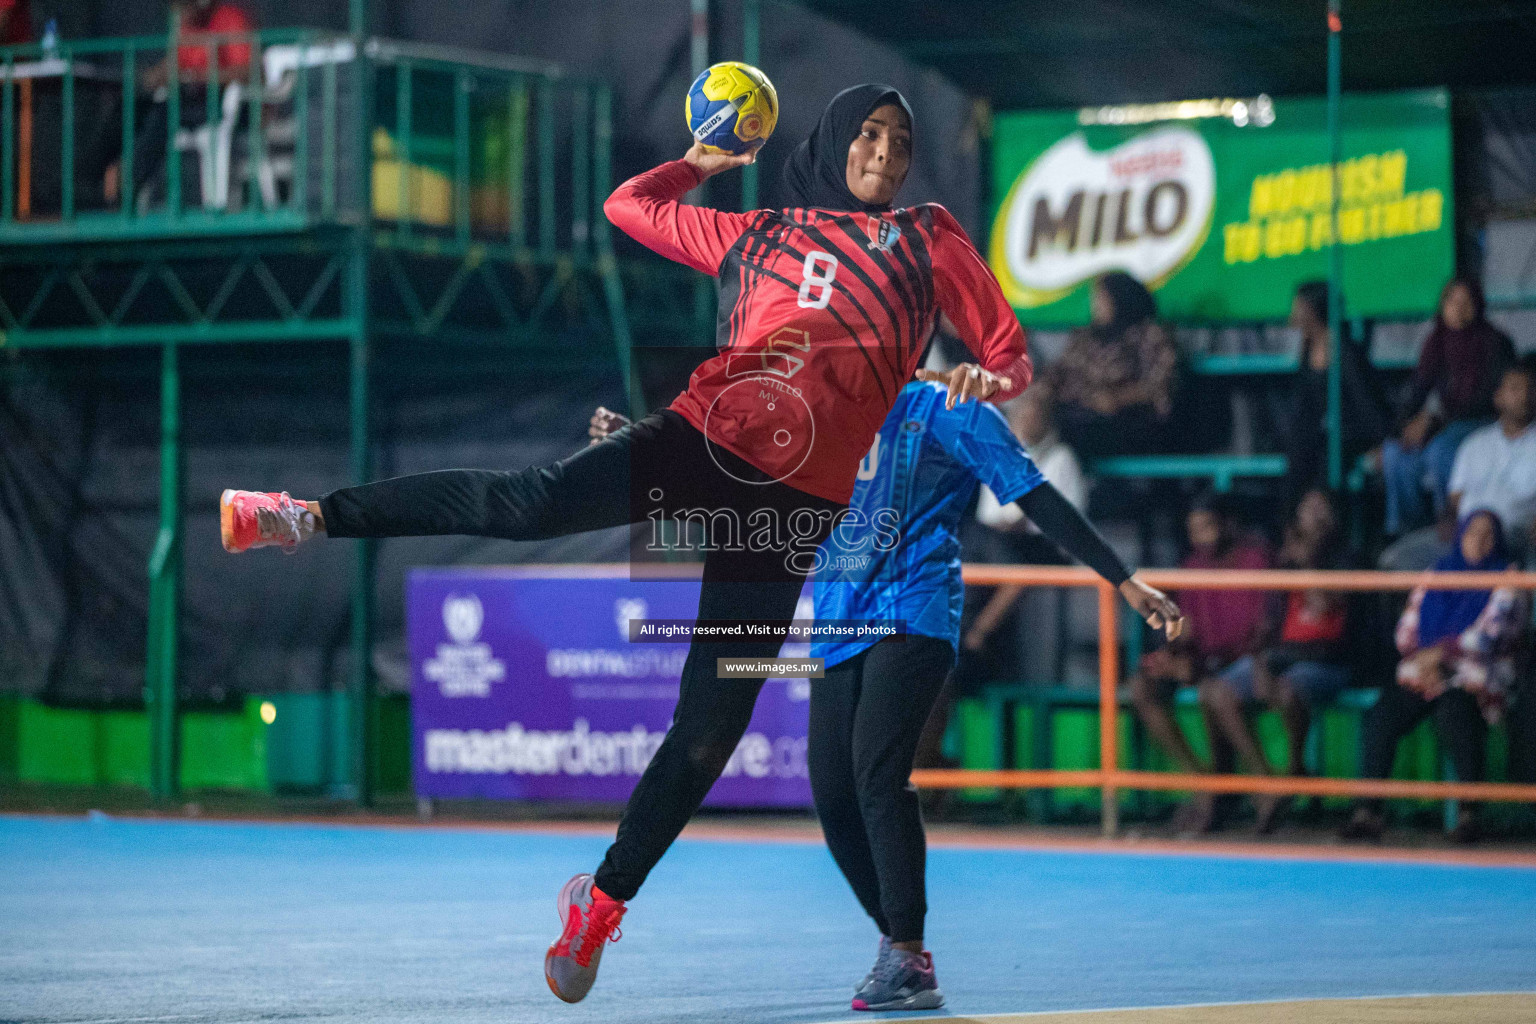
point(825, 308)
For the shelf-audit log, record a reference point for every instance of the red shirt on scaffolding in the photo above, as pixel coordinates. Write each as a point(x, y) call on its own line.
point(205, 18)
point(15, 22)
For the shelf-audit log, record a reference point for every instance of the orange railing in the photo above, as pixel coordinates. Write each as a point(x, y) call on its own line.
point(1110, 778)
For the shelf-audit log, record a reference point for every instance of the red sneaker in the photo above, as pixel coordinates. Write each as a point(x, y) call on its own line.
point(590, 919)
point(257, 519)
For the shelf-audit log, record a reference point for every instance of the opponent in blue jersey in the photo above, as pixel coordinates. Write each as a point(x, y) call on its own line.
point(895, 559)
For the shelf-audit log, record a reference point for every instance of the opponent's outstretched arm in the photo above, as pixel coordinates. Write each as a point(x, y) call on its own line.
point(979, 438)
point(1061, 522)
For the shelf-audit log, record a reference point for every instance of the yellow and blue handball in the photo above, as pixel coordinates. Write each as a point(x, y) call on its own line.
point(731, 107)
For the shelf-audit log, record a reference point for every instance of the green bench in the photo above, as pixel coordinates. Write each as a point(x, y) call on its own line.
point(1256, 364)
point(1220, 470)
point(995, 710)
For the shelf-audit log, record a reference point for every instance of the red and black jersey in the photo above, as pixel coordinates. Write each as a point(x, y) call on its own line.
point(823, 318)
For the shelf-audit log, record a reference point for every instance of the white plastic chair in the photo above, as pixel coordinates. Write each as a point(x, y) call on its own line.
point(213, 143)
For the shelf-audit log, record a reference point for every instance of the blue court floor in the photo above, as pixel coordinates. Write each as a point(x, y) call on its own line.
point(120, 920)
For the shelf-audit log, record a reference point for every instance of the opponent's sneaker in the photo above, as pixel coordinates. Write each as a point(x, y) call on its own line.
point(590, 919)
point(885, 951)
point(260, 519)
point(903, 981)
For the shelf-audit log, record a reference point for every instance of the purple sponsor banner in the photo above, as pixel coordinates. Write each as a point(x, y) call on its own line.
point(524, 686)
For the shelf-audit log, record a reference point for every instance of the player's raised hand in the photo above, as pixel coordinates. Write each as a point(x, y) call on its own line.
point(604, 422)
point(1154, 606)
point(967, 381)
point(711, 162)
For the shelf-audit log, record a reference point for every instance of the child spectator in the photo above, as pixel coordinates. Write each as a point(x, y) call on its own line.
point(1219, 628)
point(1460, 365)
point(1457, 650)
point(1301, 656)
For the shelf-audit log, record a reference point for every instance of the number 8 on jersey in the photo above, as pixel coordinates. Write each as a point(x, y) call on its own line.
point(815, 278)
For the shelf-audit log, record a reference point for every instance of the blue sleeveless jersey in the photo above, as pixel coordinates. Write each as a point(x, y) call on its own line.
point(896, 557)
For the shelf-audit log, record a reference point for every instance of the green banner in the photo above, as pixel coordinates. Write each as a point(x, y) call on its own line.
point(1221, 221)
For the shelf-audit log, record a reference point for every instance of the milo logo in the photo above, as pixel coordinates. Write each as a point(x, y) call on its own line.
point(1143, 207)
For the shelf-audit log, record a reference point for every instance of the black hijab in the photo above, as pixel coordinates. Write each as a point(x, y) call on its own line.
point(816, 174)
point(1132, 303)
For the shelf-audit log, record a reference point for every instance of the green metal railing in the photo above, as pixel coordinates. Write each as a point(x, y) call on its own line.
point(481, 149)
point(119, 64)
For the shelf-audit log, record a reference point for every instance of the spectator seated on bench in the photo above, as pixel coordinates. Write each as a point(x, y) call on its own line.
point(1115, 382)
point(1457, 664)
point(1301, 657)
point(1219, 627)
point(1459, 367)
point(1363, 407)
point(1495, 469)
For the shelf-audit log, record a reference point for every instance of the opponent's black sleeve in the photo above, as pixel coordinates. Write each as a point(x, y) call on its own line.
point(1064, 524)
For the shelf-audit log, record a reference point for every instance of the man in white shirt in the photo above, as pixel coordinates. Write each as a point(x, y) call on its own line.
point(1495, 467)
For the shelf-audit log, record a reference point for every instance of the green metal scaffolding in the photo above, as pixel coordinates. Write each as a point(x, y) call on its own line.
point(329, 261)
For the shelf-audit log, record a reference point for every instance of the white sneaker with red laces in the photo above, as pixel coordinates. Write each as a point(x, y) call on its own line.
point(590, 919)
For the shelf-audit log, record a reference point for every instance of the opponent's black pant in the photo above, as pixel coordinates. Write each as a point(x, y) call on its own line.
point(867, 715)
point(658, 466)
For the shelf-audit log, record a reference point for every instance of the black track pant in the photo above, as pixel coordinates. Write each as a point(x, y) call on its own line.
point(660, 465)
point(1458, 722)
point(867, 715)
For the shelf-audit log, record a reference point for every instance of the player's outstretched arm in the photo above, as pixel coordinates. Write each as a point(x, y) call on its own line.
point(967, 381)
point(973, 301)
point(1061, 522)
point(649, 209)
point(980, 440)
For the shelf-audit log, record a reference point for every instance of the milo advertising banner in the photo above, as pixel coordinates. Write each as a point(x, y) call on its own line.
point(1221, 221)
